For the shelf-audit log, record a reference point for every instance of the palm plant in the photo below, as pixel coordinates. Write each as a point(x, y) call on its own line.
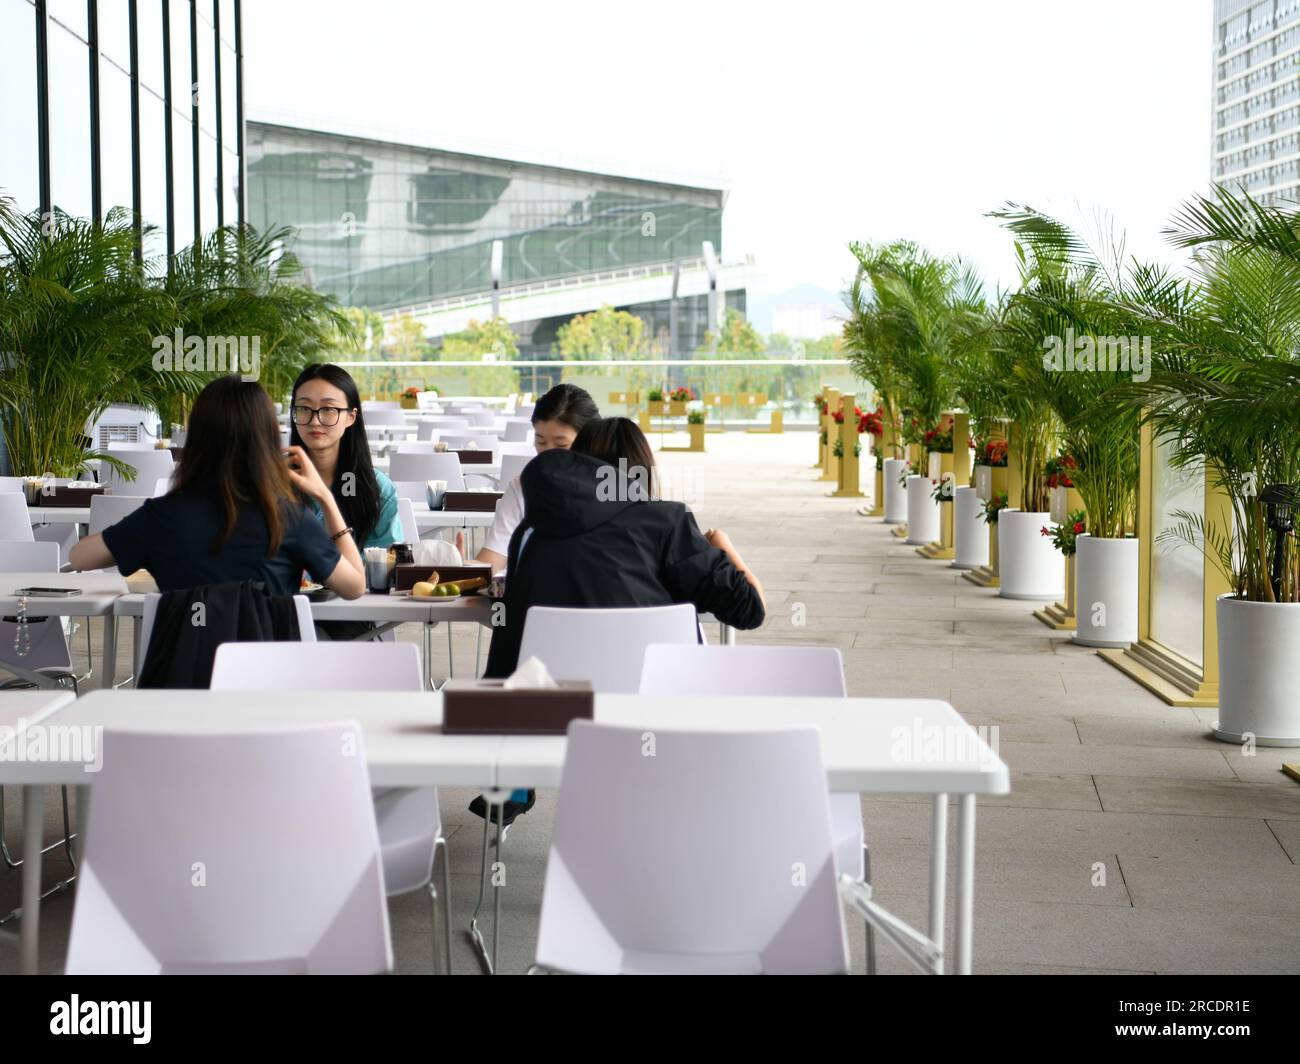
point(1077, 294)
point(77, 316)
point(869, 341)
point(1225, 389)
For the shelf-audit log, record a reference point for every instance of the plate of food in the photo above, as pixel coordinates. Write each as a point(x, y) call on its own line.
point(315, 592)
point(433, 590)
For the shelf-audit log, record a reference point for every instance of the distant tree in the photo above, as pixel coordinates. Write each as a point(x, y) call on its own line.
point(367, 334)
point(493, 340)
point(602, 334)
point(737, 338)
point(404, 339)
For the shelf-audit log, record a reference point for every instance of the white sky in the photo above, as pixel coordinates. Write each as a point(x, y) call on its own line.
point(829, 120)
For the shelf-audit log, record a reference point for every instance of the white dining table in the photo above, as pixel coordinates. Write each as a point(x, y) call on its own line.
point(59, 515)
point(866, 746)
point(96, 594)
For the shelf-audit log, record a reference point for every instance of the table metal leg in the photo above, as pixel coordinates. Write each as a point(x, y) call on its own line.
point(727, 634)
point(110, 649)
point(33, 825)
point(965, 880)
point(938, 870)
point(496, 808)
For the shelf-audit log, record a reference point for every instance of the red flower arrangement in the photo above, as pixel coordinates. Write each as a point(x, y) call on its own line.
point(872, 423)
point(681, 395)
point(1058, 471)
point(1065, 536)
point(411, 392)
point(993, 453)
point(838, 416)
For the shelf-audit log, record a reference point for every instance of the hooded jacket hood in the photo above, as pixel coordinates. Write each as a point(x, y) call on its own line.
point(567, 494)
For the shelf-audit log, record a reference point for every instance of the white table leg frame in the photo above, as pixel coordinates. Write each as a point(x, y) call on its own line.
point(496, 809)
point(926, 952)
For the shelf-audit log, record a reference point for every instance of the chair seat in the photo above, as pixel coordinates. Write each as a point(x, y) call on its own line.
point(408, 820)
point(846, 834)
point(656, 962)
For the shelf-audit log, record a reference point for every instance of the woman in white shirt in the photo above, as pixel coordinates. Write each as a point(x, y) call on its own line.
point(558, 417)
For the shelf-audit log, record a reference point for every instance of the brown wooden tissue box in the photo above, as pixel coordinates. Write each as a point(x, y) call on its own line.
point(471, 500)
point(62, 495)
point(474, 457)
point(487, 707)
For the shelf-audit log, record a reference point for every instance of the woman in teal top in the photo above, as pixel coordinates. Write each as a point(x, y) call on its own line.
point(325, 414)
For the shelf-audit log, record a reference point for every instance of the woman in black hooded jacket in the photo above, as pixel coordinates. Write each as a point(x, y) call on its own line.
point(594, 536)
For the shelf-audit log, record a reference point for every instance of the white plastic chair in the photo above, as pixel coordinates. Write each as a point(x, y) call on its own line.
point(466, 442)
point(406, 514)
point(426, 400)
point(48, 661)
point(162, 486)
point(410, 823)
point(525, 410)
point(711, 857)
point(15, 520)
point(424, 467)
point(518, 430)
point(504, 449)
point(482, 418)
point(301, 606)
point(106, 510)
point(278, 875)
point(512, 465)
point(150, 466)
point(607, 646)
point(369, 406)
point(801, 671)
point(417, 447)
point(384, 418)
point(8, 484)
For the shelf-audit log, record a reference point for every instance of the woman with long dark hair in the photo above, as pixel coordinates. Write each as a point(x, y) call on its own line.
point(234, 511)
point(327, 423)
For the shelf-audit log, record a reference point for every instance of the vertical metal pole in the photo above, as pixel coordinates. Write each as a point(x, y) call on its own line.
point(938, 870)
point(965, 880)
point(216, 59)
point(168, 147)
point(43, 107)
point(96, 166)
point(137, 199)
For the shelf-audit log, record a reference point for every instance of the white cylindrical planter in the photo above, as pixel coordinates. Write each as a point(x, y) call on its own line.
point(1029, 567)
point(1106, 583)
point(922, 512)
point(1259, 669)
point(895, 493)
point(970, 533)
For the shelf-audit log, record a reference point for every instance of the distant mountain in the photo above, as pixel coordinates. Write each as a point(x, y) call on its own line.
point(760, 305)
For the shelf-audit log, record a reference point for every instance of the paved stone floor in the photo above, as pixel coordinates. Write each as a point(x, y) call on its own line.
point(1199, 844)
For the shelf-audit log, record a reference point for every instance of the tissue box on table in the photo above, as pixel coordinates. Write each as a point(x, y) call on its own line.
point(529, 703)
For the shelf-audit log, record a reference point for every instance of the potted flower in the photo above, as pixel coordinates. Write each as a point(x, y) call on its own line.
point(695, 426)
point(655, 401)
point(410, 398)
point(677, 400)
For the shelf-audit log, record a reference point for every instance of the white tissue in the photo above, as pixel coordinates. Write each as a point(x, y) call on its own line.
point(435, 552)
point(532, 673)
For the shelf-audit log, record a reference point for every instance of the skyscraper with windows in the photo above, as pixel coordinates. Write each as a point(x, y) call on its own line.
point(1256, 134)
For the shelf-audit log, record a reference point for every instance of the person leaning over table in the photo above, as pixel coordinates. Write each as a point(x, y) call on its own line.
point(234, 512)
point(594, 536)
point(558, 417)
point(327, 423)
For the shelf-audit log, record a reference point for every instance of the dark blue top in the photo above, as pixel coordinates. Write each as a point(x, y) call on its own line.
point(173, 536)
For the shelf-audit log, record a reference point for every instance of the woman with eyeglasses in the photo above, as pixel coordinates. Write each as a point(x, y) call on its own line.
point(329, 434)
point(325, 414)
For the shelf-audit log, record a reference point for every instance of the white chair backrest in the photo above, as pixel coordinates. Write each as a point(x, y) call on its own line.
point(459, 442)
point(605, 646)
point(416, 490)
point(482, 418)
point(512, 465)
point(301, 607)
point(368, 405)
point(427, 467)
point(383, 418)
point(406, 514)
point(518, 430)
point(446, 421)
point(149, 465)
point(426, 401)
point(17, 556)
point(108, 510)
point(15, 521)
point(417, 446)
point(615, 899)
point(426, 431)
point(368, 666)
point(162, 486)
point(8, 484)
point(301, 814)
point(525, 410)
point(524, 449)
point(674, 669)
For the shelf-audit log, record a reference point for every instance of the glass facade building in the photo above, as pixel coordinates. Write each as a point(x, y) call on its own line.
point(1256, 137)
point(124, 103)
point(387, 225)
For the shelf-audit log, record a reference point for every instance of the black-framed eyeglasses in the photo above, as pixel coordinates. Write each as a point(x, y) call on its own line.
point(326, 415)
